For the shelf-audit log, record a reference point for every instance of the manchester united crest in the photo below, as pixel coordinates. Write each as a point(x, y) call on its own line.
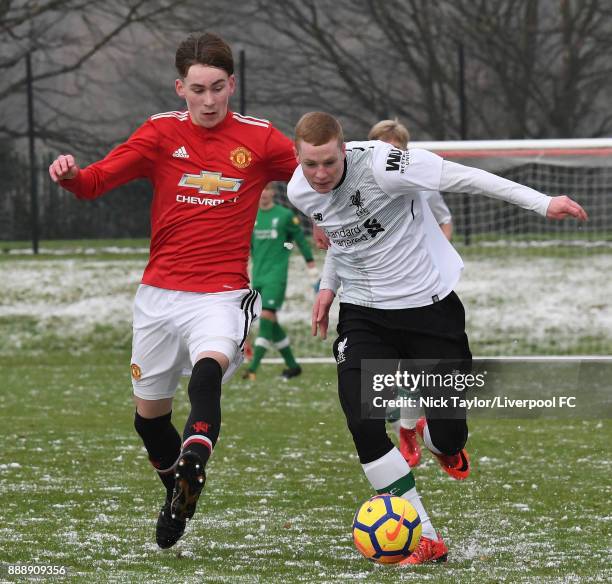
point(241, 157)
point(136, 371)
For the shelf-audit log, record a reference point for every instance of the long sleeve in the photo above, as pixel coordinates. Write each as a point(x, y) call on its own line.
point(401, 173)
point(126, 162)
point(457, 178)
point(329, 278)
point(438, 207)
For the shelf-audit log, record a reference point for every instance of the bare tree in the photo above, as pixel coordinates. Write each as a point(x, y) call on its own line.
point(78, 48)
point(539, 66)
point(535, 68)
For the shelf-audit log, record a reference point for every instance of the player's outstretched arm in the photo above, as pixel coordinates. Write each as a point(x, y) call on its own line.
point(320, 313)
point(64, 167)
point(561, 207)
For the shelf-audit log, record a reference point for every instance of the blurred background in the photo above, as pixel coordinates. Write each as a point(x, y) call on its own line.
point(497, 69)
point(80, 76)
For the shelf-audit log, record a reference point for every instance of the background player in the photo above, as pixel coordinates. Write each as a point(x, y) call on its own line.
point(404, 421)
point(276, 228)
point(398, 272)
point(394, 132)
point(194, 308)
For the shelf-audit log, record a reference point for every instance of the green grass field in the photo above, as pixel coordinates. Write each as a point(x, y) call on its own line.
point(77, 489)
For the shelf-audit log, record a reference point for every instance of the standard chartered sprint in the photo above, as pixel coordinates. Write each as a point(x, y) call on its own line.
point(347, 237)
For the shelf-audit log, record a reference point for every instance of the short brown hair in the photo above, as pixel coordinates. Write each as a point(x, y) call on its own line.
point(204, 49)
point(318, 128)
point(386, 130)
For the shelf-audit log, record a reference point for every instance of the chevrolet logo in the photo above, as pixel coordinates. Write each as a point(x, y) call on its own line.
point(210, 183)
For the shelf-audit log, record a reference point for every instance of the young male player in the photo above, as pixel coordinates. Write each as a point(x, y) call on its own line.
point(194, 307)
point(398, 272)
point(404, 420)
point(276, 228)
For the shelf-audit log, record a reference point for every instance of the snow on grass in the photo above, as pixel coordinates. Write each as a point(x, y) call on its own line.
point(538, 298)
point(514, 300)
point(79, 250)
point(512, 303)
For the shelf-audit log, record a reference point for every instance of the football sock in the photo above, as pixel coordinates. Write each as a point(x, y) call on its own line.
point(428, 442)
point(281, 342)
point(163, 445)
point(409, 415)
point(204, 421)
point(391, 474)
point(262, 343)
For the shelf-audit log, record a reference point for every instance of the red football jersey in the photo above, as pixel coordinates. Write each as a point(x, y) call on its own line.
point(207, 183)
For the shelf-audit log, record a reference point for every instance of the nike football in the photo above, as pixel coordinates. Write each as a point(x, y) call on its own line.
point(386, 529)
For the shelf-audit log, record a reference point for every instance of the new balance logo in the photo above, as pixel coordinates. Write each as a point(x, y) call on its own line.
point(180, 153)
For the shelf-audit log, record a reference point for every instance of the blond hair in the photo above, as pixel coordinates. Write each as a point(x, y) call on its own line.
point(387, 130)
point(318, 128)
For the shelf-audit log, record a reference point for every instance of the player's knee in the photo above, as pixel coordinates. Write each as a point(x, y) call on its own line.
point(147, 427)
point(268, 314)
point(448, 436)
point(206, 375)
point(370, 436)
point(371, 440)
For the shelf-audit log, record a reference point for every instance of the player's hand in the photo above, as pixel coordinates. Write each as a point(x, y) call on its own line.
point(320, 313)
point(321, 240)
point(64, 167)
point(562, 207)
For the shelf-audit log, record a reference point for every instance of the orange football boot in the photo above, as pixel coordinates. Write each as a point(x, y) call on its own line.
point(428, 550)
point(455, 465)
point(409, 447)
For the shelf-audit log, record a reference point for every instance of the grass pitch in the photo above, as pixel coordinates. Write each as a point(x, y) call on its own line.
point(77, 490)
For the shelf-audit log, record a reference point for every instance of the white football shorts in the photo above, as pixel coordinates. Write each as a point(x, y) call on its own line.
point(171, 328)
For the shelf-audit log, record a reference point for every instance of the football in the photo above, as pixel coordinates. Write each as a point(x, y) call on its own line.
point(386, 529)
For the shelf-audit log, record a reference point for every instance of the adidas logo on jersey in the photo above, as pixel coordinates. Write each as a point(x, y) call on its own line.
point(180, 153)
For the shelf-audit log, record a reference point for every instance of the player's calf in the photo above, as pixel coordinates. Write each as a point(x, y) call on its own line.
point(163, 445)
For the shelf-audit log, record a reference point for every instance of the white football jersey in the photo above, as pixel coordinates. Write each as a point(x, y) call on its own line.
point(387, 249)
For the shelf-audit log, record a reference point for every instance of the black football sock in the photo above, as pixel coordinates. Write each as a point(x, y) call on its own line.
point(204, 421)
point(163, 445)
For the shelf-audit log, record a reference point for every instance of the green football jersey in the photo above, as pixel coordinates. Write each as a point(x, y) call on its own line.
point(274, 228)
